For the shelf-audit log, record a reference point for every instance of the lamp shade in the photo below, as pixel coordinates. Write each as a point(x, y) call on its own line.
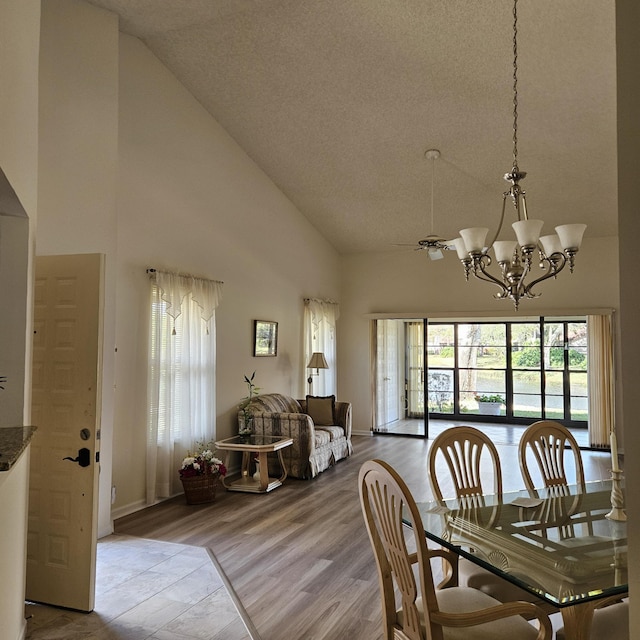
point(317, 361)
point(527, 232)
point(504, 250)
point(461, 249)
point(474, 238)
point(551, 244)
point(571, 235)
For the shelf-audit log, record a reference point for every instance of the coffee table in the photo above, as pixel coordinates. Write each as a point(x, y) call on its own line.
point(250, 446)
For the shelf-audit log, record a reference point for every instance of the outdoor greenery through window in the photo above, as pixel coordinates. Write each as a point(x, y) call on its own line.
point(535, 369)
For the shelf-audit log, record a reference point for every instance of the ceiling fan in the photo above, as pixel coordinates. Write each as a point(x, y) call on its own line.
point(433, 244)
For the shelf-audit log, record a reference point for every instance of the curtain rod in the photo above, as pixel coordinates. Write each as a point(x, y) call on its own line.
point(151, 271)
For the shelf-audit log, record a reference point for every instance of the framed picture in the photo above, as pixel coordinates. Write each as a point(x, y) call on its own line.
point(265, 338)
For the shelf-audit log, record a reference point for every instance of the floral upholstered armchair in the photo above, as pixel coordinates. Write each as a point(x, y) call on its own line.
point(319, 426)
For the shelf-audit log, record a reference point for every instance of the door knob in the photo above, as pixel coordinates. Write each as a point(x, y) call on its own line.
point(83, 459)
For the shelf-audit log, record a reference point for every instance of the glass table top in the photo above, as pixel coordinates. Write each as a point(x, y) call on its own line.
point(559, 546)
point(253, 440)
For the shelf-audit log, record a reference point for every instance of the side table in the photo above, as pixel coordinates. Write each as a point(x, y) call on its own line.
point(250, 445)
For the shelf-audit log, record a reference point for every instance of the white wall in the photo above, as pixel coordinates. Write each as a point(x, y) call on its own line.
point(78, 164)
point(19, 38)
point(190, 199)
point(13, 534)
point(14, 262)
point(187, 198)
point(19, 35)
point(407, 282)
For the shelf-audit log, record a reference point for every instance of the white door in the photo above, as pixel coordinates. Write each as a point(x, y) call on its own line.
point(388, 393)
point(63, 485)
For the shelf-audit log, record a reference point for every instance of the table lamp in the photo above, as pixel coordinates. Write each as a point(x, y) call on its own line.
point(317, 362)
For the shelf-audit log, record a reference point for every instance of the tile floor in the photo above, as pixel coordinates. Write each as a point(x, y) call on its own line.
point(148, 590)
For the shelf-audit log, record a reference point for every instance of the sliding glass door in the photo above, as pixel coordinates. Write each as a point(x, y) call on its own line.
point(509, 371)
point(491, 371)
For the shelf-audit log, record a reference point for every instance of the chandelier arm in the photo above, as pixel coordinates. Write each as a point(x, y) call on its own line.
point(557, 262)
point(525, 215)
point(505, 195)
point(526, 270)
point(479, 263)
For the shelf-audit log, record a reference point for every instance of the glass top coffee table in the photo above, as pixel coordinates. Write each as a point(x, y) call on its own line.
point(254, 447)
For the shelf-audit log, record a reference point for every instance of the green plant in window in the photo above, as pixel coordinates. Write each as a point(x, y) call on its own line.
point(489, 398)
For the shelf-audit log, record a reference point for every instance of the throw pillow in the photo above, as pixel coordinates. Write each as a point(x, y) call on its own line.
point(321, 409)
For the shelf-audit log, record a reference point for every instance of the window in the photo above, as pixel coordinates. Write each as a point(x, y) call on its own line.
point(539, 368)
point(181, 389)
point(320, 317)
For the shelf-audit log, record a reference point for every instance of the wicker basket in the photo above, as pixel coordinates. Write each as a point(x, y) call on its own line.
point(200, 489)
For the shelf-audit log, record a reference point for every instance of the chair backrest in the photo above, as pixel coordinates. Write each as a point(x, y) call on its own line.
point(462, 448)
point(550, 443)
point(384, 498)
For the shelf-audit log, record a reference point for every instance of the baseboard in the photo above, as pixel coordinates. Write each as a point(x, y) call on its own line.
point(362, 433)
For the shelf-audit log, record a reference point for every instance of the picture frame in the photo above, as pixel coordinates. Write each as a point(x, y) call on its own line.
point(265, 338)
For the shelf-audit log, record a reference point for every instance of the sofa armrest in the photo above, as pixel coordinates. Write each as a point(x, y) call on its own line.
point(298, 426)
point(343, 417)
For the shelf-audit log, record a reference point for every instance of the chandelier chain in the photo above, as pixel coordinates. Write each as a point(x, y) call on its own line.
point(515, 84)
point(433, 175)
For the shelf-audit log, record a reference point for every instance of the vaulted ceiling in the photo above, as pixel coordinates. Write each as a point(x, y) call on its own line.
point(338, 100)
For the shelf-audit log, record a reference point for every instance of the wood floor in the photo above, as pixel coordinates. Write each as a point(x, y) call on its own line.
point(298, 557)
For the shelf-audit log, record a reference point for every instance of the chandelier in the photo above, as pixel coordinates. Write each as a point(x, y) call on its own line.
point(515, 257)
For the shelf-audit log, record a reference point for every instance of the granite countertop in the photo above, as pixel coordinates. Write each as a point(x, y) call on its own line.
point(13, 441)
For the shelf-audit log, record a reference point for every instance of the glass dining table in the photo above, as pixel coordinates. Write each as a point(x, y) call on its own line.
point(558, 546)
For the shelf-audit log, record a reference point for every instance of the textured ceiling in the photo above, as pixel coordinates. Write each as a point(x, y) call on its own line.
point(337, 101)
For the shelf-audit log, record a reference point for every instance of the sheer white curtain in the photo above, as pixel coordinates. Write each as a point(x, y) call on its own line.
point(320, 317)
point(181, 387)
point(600, 379)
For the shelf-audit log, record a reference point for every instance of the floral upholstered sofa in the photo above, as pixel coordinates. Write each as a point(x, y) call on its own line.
point(317, 444)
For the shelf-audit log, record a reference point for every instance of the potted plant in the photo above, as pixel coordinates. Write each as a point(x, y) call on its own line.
point(489, 405)
point(246, 421)
point(200, 473)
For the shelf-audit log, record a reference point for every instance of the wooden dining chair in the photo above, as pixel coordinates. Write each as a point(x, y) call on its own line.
point(463, 449)
point(453, 613)
point(550, 444)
